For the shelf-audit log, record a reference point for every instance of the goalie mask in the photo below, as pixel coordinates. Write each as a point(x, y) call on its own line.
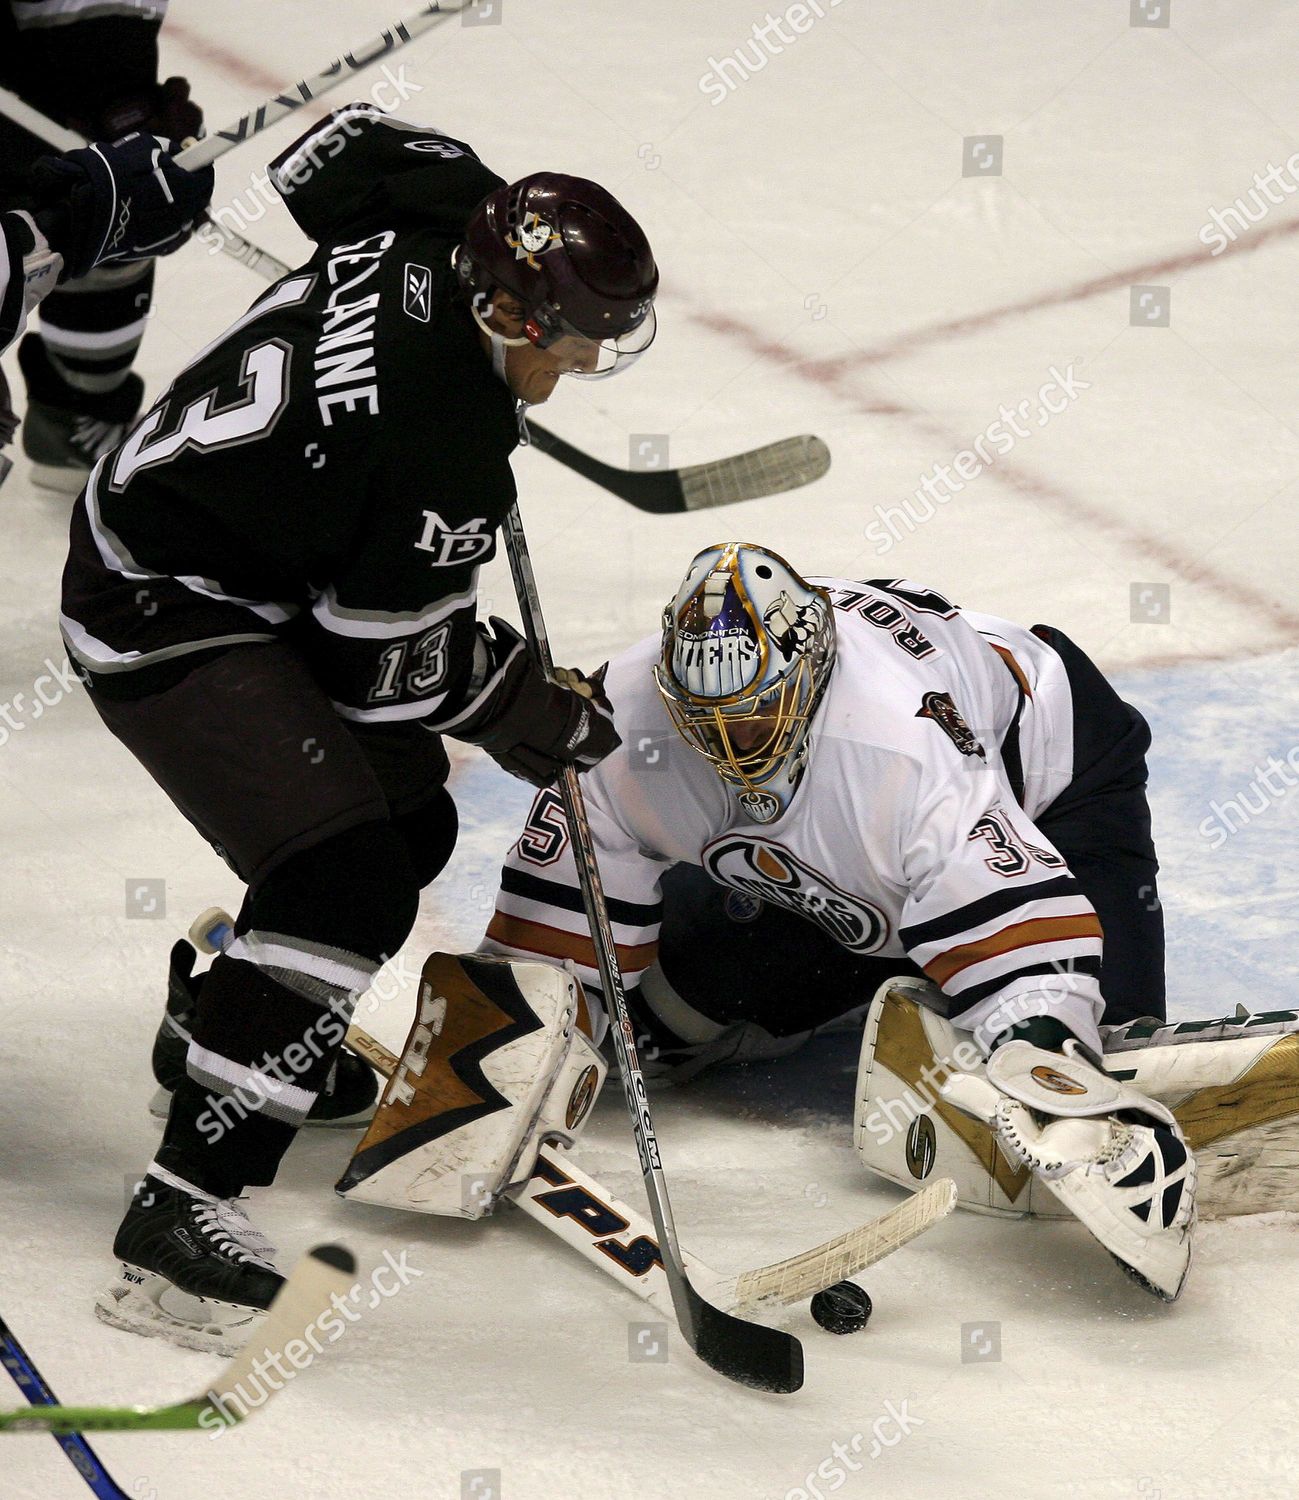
point(747, 651)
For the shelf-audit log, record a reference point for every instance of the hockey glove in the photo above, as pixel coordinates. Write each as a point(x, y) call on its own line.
point(529, 725)
point(1116, 1159)
point(119, 201)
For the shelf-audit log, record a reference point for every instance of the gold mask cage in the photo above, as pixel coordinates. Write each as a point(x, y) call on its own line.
point(787, 706)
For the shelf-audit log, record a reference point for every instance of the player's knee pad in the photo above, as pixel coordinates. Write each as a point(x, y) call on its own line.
point(357, 891)
point(498, 1061)
point(1232, 1086)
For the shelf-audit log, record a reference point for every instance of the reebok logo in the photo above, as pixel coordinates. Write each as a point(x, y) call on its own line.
point(417, 292)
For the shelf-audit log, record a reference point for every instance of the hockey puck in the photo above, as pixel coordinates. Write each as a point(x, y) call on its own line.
point(842, 1308)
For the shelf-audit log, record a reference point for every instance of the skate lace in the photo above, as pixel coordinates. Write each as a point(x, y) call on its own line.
point(95, 438)
point(227, 1225)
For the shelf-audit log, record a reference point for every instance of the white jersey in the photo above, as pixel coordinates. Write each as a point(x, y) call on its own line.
point(941, 734)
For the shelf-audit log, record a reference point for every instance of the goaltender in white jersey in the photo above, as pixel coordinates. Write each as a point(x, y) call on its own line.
point(904, 829)
point(833, 789)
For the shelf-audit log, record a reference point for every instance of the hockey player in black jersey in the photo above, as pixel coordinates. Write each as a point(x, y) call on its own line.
point(93, 67)
point(270, 595)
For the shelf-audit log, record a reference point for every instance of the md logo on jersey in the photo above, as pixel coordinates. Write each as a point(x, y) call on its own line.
point(456, 546)
point(770, 873)
point(417, 292)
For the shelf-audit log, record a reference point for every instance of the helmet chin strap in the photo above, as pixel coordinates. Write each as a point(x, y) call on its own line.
point(499, 343)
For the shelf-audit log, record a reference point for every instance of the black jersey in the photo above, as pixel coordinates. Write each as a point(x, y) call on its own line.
point(331, 470)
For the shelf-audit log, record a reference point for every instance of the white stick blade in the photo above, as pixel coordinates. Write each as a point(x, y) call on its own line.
point(800, 1277)
point(296, 1313)
point(787, 465)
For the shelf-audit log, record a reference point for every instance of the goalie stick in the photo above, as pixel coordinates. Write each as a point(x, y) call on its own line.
point(573, 1205)
point(321, 1275)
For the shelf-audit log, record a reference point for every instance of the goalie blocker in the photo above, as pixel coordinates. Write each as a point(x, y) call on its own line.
point(499, 1060)
point(1232, 1085)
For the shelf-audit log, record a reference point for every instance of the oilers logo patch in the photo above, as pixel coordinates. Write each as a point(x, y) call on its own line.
point(940, 708)
point(768, 872)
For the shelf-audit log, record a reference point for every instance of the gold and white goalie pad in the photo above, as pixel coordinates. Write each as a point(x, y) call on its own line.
point(499, 1060)
point(1232, 1085)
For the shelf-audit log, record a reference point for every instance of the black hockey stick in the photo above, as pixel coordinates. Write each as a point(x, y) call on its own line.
point(767, 1359)
point(31, 1383)
point(769, 470)
point(203, 152)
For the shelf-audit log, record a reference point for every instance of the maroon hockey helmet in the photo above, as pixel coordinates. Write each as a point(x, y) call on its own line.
point(575, 258)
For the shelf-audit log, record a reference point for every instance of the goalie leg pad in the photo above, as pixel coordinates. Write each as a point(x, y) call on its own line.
point(1232, 1084)
point(497, 1061)
point(907, 1130)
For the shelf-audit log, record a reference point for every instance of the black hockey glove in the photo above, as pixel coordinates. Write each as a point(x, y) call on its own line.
point(530, 726)
point(117, 201)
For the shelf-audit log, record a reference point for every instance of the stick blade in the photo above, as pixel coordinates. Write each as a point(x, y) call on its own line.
point(772, 470)
point(751, 1354)
point(802, 1276)
point(306, 1295)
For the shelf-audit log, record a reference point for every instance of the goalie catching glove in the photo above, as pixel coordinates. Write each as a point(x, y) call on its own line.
point(1111, 1156)
point(530, 725)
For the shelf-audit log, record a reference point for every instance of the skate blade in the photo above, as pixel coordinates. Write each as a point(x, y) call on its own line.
point(61, 479)
point(148, 1304)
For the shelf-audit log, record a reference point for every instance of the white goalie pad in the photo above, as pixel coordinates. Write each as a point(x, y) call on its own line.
point(1232, 1085)
point(497, 1062)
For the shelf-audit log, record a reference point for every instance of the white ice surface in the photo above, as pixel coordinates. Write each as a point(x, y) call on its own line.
point(831, 179)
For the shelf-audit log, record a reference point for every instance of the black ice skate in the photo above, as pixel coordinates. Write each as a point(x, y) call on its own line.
point(65, 431)
point(347, 1099)
point(194, 1270)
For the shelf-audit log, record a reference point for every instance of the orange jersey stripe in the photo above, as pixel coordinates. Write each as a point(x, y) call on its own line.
point(553, 942)
point(1019, 935)
point(1016, 671)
